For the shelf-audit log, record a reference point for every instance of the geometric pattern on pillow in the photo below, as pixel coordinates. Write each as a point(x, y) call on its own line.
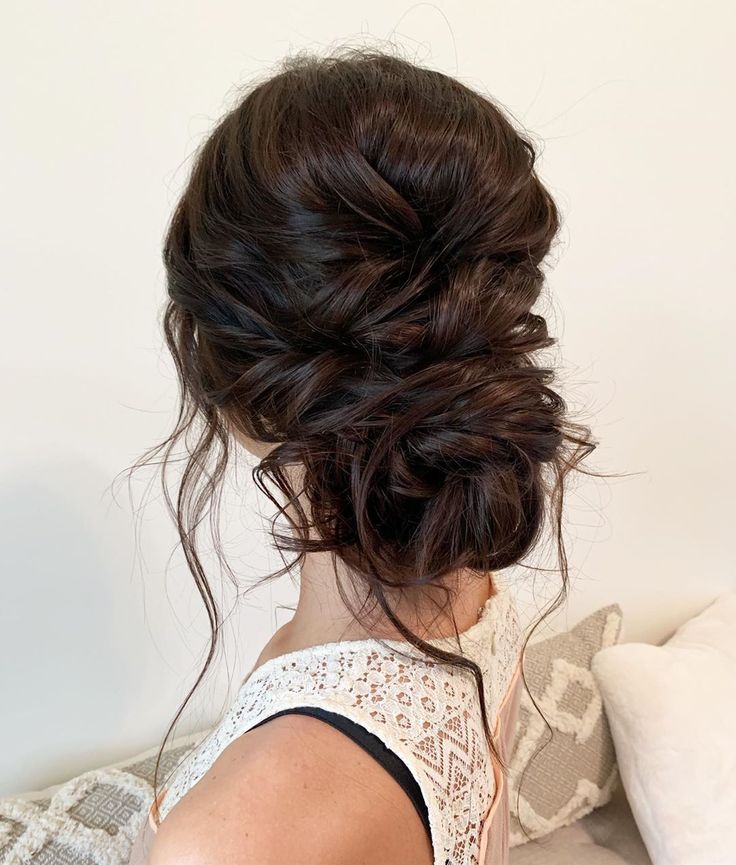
point(554, 780)
point(91, 820)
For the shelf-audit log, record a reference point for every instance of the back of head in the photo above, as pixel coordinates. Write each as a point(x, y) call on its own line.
point(352, 269)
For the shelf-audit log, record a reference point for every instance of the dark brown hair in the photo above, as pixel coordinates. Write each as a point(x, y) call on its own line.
point(351, 273)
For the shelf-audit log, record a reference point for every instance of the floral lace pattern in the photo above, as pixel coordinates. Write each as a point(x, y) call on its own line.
point(424, 711)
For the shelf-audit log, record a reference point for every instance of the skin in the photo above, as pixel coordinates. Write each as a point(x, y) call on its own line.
point(296, 790)
point(293, 791)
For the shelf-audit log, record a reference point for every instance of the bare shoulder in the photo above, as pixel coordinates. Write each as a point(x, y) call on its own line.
point(294, 790)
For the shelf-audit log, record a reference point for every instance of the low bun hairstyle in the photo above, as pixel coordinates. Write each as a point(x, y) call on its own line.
point(351, 271)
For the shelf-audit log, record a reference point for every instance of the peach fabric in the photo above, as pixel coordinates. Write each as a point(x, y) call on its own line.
point(140, 853)
point(494, 839)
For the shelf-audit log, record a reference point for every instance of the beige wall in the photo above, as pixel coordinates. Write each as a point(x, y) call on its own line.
point(102, 105)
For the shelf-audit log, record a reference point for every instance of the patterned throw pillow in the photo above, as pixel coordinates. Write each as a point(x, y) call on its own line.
point(556, 779)
point(91, 820)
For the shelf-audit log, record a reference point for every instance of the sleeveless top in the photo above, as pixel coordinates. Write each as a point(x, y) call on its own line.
point(426, 714)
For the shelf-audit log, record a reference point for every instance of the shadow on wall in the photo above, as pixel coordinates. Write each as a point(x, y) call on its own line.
point(66, 614)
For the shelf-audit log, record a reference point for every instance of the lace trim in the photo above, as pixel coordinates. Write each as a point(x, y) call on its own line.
point(426, 712)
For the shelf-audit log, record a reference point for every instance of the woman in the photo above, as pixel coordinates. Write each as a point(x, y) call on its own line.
point(351, 271)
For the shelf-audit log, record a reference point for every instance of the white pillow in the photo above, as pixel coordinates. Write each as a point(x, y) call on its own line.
point(672, 713)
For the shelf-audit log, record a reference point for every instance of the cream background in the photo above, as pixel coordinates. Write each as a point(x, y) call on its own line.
point(100, 634)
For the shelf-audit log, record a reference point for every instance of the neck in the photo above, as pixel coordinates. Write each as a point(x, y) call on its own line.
point(322, 616)
point(426, 610)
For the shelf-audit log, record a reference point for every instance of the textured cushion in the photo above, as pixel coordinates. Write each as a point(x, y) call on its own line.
point(606, 836)
point(671, 710)
point(556, 779)
point(90, 820)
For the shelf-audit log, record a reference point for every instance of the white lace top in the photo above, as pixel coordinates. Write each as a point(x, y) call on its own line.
point(424, 711)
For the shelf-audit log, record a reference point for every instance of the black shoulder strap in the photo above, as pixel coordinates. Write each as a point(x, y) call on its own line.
point(374, 746)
